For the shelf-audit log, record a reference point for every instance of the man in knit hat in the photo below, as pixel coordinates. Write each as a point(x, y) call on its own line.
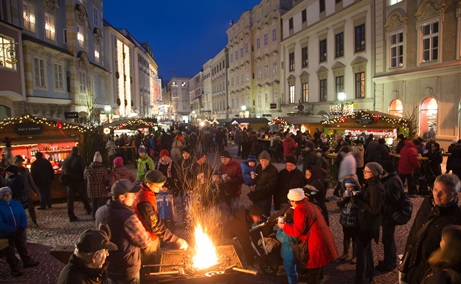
point(96, 177)
point(288, 178)
point(145, 164)
point(266, 183)
point(145, 207)
point(73, 169)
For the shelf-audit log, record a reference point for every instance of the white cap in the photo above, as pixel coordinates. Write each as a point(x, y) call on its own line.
point(296, 194)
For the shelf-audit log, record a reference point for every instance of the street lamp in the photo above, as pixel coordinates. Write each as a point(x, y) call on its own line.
point(342, 96)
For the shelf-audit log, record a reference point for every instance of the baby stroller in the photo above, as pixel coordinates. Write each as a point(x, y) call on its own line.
point(265, 244)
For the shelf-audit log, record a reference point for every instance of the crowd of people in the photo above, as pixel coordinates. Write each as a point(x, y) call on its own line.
point(136, 214)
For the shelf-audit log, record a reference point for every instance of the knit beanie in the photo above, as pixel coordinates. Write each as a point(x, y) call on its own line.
point(164, 152)
point(4, 190)
point(118, 162)
point(97, 157)
point(154, 176)
point(375, 168)
point(265, 155)
point(142, 150)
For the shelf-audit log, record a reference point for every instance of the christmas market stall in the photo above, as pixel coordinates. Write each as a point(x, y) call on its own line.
point(130, 128)
point(251, 123)
point(306, 123)
point(27, 135)
point(364, 122)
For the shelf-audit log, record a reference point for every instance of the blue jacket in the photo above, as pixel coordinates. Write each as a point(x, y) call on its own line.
point(12, 217)
point(286, 252)
point(246, 170)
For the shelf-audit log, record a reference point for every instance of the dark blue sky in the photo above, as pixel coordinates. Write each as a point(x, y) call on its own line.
point(183, 34)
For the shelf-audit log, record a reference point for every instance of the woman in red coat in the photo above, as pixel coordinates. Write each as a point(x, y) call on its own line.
point(308, 223)
point(407, 163)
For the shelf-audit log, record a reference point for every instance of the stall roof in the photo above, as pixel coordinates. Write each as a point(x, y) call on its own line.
point(143, 122)
point(303, 119)
point(250, 120)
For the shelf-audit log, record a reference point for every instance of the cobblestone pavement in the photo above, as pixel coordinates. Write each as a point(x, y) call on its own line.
point(55, 229)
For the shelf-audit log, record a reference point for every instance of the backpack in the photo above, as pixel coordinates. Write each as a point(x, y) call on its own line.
point(403, 214)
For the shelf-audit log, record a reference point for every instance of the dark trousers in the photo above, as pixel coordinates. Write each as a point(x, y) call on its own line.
point(364, 267)
point(45, 196)
point(411, 184)
point(72, 189)
point(31, 210)
point(265, 205)
point(18, 242)
point(239, 149)
point(390, 250)
point(236, 227)
point(314, 276)
point(97, 202)
point(349, 233)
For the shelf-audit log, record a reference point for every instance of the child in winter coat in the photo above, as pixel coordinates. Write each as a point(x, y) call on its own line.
point(286, 251)
point(249, 167)
point(348, 217)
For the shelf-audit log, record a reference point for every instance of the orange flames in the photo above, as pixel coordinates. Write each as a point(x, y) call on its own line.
point(205, 255)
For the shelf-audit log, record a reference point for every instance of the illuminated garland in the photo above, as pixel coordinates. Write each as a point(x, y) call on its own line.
point(365, 115)
point(279, 120)
point(45, 121)
point(137, 121)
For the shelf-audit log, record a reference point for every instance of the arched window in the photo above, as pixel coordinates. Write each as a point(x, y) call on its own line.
point(396, 108)
point(428, 118)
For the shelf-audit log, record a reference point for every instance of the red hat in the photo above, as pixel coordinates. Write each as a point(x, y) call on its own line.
point(164, 152)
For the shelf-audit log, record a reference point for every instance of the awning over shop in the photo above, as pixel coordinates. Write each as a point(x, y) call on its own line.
point(131, 123)
point(366, 119)
point(297, 120)
point(250, 120)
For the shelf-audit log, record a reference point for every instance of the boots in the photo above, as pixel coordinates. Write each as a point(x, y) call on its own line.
point(353, 258)
point(346, 244)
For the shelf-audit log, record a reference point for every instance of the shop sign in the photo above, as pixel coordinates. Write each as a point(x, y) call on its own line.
point(365, 119)
point(273, 106)
point(28, 128)
point(71, 115)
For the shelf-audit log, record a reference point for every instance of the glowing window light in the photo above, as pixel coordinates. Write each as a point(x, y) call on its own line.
point(128, 76)
point(96, 54)
point(121, 86)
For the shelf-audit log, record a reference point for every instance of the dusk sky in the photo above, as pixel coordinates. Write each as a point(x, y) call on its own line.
point(183, 34)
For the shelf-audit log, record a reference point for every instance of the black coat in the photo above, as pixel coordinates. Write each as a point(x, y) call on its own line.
point(420, 248)
point(394, 191)
point(370, 204)
point(42, 172)
point(286, 181)
point(266, 183)
point(75, 272)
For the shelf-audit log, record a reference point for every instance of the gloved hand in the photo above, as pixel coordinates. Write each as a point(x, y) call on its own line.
point(182, 244)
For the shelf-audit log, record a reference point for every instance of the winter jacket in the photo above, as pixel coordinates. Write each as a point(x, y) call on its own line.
point(394, 190)
point(170, 170)
point(165, 205)
point(12, 218)
point(348, 205)
point(321, 244)
point(286, 251)
point(382, 152)
point(128, 233)
point(74, 167)
point(266, 183)
point(97, 178)
point(419, 249)
point(289, 146)
point(347, 167)
point(29, 185)
point(435, 161)
point(16, 184)
point(246, 170)
point(454, 160)
point(76, 272)
point(121, 172)
point(145, 164)
point(42, 172)
point(408, 159)
point(146, 209)
point(310, 158)
point(371, 201)
point(233, 185)
point(359, 154)
point(286, 181)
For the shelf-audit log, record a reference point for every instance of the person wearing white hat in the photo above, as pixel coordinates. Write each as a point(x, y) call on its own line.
point(310, 226)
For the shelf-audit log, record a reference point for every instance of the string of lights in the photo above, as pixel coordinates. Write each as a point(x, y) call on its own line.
point(367, 115)
point(43, 121)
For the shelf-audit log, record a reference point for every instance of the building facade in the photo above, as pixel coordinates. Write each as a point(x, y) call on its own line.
point(321, 68)
point(178, 95)
point(219, 85)
point(418, 64)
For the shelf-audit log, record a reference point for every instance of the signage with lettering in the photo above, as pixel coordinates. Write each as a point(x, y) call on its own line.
point(273, 106)
point(28, 128)
point(71, 115)
point(364, 119)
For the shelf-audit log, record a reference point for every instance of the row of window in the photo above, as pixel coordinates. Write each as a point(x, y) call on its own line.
point(258, 45)
point(339, 48)
point(323, 95)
